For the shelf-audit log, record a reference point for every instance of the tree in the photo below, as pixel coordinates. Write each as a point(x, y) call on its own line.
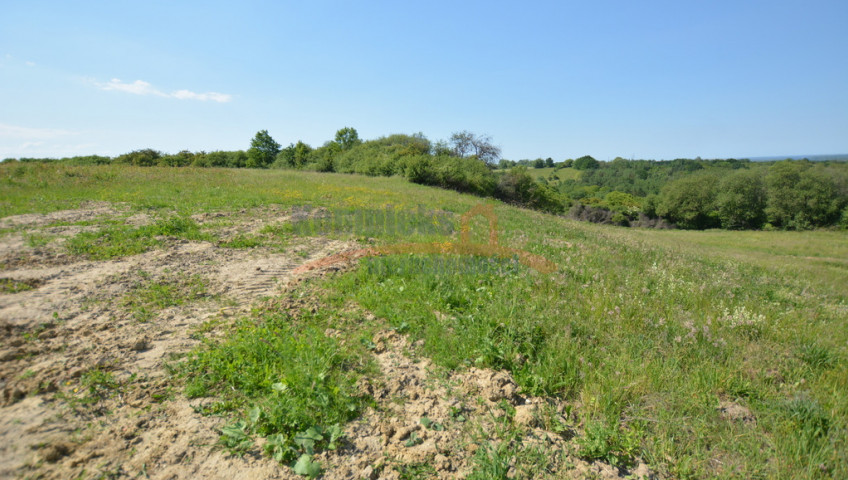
point(549, 162)
point(140, 158)
point(347, 138)
point(263, 150)
point(741, 200)
point(505, 164)
point(586, 162)
point(293, 156)
point(802, 196)
point(690, 201)
point(466, 144)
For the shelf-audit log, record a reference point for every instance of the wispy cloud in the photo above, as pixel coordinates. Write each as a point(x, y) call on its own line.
point(18, 132)
point(213, 96)
point(17, 141)
point(140, 87)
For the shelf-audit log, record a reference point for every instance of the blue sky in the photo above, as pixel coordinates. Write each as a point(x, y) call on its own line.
point(652, 79)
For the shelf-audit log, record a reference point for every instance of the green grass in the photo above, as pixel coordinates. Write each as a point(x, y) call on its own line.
point(293, 385)
point(821, 256)
point(44, 188)
point(10, 285)
point(115, 241)
point(147, 296)
point(644, 332)
point(36, 240)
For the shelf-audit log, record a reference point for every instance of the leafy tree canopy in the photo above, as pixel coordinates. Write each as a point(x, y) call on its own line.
point(263, 150)
point(347, 138)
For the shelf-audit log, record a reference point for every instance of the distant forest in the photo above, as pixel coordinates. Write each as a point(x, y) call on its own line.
point(684, 193)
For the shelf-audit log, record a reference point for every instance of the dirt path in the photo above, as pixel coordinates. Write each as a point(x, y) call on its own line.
point(69, 330)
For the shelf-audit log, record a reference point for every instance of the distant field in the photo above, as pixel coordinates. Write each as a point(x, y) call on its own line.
point(820, 256)
point(703, 354)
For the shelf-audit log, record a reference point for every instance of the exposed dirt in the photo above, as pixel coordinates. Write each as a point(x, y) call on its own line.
point(85, 393)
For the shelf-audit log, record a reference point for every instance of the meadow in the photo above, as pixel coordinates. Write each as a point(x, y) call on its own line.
point(706, 354)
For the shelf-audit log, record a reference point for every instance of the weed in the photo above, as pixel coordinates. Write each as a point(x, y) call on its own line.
point(95, 386)
point(810, 419)
point(235, 439)
point(457, 413)
point(306, 466)
point(242, 241)
point(413, 440)
point(817, 357)
point(123, 240)
point(36, 240)
point(611, 444)
point(491, 462)
point(294, 379)
point(147, 297)
point(11, 285)
point(282, 230)
point(415, 471)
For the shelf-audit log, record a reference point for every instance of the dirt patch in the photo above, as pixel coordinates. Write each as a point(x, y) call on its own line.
point(88, 211)
point(444, 424)
point(732, 411)
point(79, 372)
point(86, 345)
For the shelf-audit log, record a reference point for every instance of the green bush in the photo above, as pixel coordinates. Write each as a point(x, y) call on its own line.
point(741, 200)
point(690, 202)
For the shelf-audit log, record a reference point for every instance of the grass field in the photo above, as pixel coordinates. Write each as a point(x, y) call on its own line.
point(707, 354)
point(554, 175)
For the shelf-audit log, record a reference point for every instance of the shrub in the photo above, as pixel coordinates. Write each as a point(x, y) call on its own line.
point(741, 200)
point(690, 201)
point(140, 158)
point(586, 162)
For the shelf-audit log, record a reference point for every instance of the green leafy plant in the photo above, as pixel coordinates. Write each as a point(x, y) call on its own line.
point(608, 443)
point(291, 375)
point(235, 438)
point(307, 467)
point(413, 440)
point(431, 424)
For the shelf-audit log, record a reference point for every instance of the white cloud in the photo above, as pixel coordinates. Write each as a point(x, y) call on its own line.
point(15, 131)
point(213, 96)
point(30, 145)
point(140, 87)
point(40, 149)
point(30, 64)
point(17, 141)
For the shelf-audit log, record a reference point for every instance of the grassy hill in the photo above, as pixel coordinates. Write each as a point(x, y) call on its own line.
point(706, 354)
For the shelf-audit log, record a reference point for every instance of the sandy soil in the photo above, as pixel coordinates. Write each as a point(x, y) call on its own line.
point(68, 320)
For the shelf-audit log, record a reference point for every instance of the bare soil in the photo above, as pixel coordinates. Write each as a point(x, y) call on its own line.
point(63, 317)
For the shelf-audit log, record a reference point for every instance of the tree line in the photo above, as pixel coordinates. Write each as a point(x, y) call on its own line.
point(686, 193)
point(700, 194)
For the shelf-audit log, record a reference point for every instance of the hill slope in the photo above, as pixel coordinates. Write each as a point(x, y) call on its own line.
point(192, 302)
